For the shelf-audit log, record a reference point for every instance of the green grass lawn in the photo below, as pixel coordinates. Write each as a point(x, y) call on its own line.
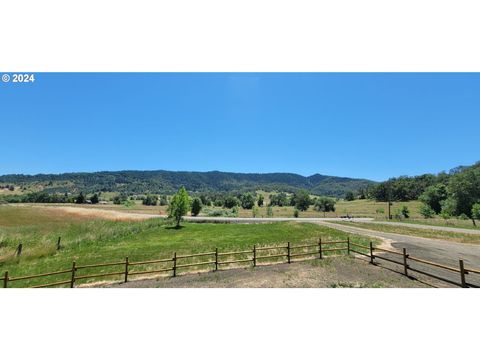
point(88, 241)
point(426, 233)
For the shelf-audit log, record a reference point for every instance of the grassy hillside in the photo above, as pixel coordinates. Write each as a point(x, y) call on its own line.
point(90, 241)
point(141, 182)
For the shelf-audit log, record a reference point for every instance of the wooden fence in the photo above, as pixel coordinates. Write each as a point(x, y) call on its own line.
point(213, 259)
point(405, 261)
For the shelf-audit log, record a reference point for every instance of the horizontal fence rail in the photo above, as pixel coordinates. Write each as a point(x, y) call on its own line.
point(277, 253)
point(404, 262)
point(213, 259)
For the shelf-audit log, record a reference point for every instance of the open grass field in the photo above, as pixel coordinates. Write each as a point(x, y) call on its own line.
point(88, 240)
point(356, 208)
point(426, 233)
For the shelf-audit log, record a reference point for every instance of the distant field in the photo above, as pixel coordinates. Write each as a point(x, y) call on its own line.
point(356, 208)
point(88, 240)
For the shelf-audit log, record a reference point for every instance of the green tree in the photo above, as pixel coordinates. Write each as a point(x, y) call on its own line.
point(279, 199)
point(426, 211)
point(324, 204)
point(260, 200)
point(80, 199)
point(150, 200)
point(247, 201)
point(464, 191)
point(295, 213)
point(349, 196)
point(196, 206)
point(179, 206)
point(405, 212)
point(230, 202)
point(255, 211)
point(94, 199)
point(476, 211)
point(163, 200)
point(433, 196)
point(302, 200)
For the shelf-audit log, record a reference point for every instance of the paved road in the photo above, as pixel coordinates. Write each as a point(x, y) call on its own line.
point(440, 251)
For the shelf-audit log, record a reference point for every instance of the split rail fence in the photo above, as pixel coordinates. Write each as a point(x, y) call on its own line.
point(406, 261)
point(254, 257)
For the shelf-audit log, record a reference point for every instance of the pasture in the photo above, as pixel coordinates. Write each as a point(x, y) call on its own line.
point(89, 240)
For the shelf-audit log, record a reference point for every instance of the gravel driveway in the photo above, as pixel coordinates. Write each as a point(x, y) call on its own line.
point(440, 251)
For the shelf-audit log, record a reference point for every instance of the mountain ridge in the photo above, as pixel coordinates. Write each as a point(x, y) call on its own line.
point(166, 181)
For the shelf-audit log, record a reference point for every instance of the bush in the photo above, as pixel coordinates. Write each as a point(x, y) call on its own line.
point(295, 213)
point(163, 200)
point(426, 211)
point(230, 202)
point(196, 206)
point(405, 212)
point(269, 211)
point(81, 199)
point(260, 200)
point(150, 200)
point(247, 201)
point(476, 211)
point(94, 199)
point(349, 196)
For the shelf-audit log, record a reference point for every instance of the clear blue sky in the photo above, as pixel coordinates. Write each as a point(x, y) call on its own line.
point(363, 125)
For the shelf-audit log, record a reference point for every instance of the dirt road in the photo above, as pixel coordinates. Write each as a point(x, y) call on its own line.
point(440, 251)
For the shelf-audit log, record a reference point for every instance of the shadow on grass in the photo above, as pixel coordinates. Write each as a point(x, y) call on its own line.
point(174, 227)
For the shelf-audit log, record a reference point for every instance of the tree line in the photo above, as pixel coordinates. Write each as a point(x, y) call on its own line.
point(456, 193)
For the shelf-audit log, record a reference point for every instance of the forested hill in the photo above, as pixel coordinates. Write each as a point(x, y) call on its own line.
point(161, 181)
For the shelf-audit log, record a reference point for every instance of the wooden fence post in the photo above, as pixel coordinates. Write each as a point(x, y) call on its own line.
point(254, 255)
point(288, 252)
point(462, 273)
point(5, 280)
point(174, 264)
point(72, 279)
point(126, 269)
point(371, 253)
point(216, 259)
point(19, 249)
point(58, 242)
point(405, 265)
point(320, 247)
point(348, 245)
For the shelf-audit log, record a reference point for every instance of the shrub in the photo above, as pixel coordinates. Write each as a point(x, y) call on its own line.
point(230, 202)
point(150, 200)
point(426, 211)
point(94, 199)
point(196, 206)
point(476, 211)
point(269, 211)
point(260, 200)
point(405, 212)
point(295, 213)
point(247, 201)
point(349, 196)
